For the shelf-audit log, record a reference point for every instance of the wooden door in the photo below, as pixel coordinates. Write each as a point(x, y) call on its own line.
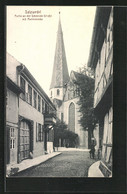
point(24, 140)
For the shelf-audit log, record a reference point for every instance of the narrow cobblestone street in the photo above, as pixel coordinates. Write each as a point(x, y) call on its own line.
point(68, 164)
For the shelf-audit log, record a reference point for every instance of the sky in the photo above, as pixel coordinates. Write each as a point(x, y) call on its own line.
point(31, 37)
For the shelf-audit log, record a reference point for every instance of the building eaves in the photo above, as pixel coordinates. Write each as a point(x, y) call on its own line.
point(12, 86)
point(23, 69)
point(98, 35)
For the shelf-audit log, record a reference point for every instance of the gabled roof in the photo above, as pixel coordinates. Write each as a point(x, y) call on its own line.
point(13, 87)
point(60, 75)
point(76, 76)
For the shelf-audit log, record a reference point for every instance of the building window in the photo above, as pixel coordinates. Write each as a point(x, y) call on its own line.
point(62, 117)
point(46, 108)
point(50, 110)
point(12, 138)
point(58, 92)
point(35, 99)
point(77, 91)
point(107, 138)
point(39, 132)
point(71, 124)
point(22, 84)
point(39, 103)
point(43, 106)
point(29, 97)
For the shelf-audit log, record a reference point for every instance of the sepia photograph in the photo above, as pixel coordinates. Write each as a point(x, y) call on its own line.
point(59, 91)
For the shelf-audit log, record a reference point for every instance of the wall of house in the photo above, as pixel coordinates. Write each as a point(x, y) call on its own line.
point(104, 67)
point(11, 122)
point(12, 107)
point(26, 107)
point(14, 151)
point(49, 147)
point(11, 64)
point(103, 78)
point(29, 112)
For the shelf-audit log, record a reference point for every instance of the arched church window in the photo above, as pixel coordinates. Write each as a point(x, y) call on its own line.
point(58, 92)
point(71, 118)
point(62, 117)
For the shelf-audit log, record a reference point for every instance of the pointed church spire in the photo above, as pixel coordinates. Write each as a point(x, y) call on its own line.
point(59, 25)
point(60, 74)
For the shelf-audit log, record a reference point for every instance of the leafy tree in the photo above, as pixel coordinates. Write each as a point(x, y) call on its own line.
point(62, 132)
point(85, 83)
point(59, 131)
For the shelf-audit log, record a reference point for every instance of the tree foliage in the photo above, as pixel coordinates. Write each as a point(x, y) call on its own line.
point(85, 83)
point(61, 132)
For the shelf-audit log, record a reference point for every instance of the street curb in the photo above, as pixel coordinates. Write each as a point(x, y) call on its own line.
point(35, 165)
point(98, 173)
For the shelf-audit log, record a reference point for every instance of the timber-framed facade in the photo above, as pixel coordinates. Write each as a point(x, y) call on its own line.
point(101, 60)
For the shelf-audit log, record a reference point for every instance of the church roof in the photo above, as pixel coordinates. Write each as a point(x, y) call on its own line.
point(60, 75)
point(76, 74)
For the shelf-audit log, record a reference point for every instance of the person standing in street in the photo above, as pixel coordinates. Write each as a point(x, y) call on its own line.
point(92, 150)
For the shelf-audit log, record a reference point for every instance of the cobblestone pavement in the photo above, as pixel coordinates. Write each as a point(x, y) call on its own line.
point(68, 164)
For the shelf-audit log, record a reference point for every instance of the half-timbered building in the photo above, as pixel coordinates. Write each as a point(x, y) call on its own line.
point(101, 60)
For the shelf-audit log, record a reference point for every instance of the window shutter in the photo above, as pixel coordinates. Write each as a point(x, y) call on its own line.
point(42, 132)
point(36, 131)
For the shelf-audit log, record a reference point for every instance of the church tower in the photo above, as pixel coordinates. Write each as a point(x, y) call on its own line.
point(64, 93)
point(60, 75)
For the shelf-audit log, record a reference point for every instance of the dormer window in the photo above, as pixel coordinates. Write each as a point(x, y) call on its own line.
point(58, 92)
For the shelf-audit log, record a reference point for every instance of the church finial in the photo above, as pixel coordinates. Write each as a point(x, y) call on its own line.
point(59, 15)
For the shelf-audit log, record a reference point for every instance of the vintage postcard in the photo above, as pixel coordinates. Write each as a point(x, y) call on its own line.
point(59, 75)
